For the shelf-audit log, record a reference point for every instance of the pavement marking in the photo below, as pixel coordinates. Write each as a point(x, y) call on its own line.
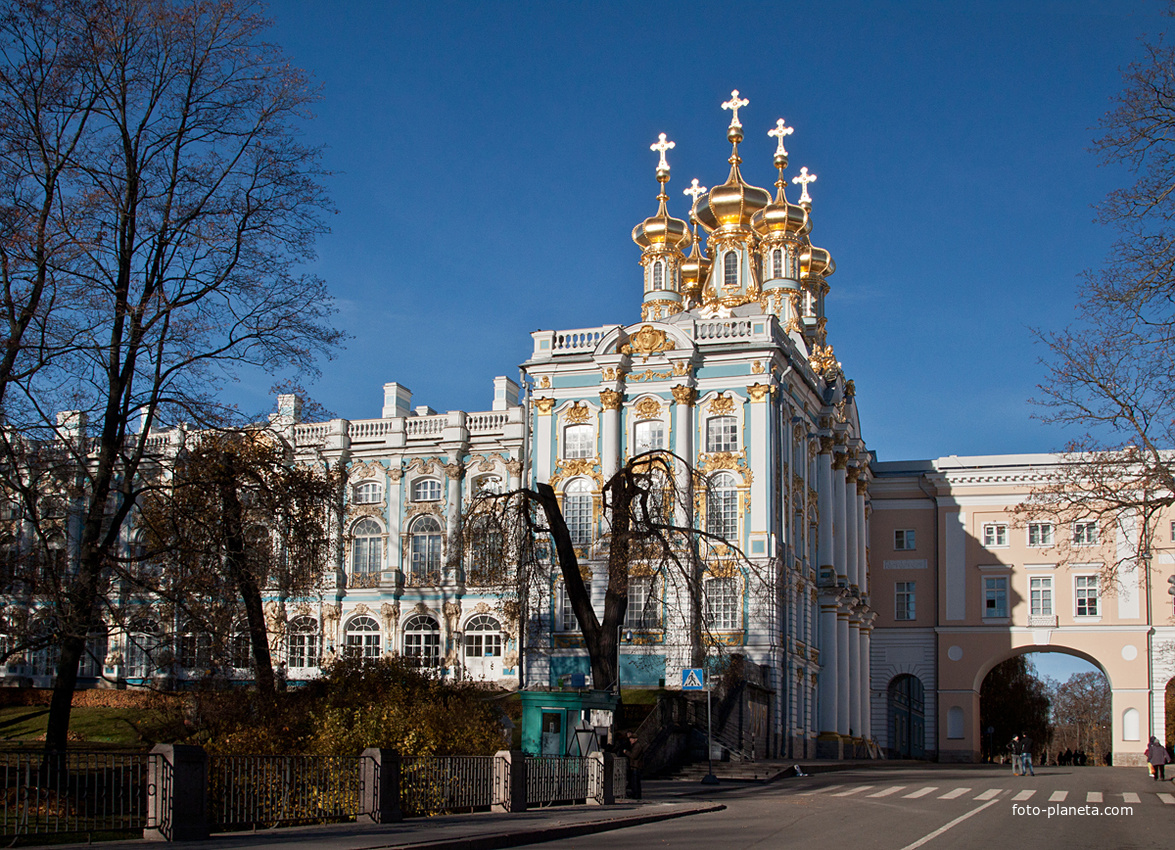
point(822, 790)
point(958, 792)
point(1024, 795)
point(990, 794)
point(1058, 796)
point(885, 792)
point(852, 791)
point(1169, 799)
point(921, 792)
point(1130, 797)
point(931, 836)
point(1093, 796)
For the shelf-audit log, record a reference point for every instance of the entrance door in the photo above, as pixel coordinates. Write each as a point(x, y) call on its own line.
point(552, 733)
point(907, 717)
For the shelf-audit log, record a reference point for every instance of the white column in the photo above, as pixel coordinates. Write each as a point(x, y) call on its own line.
point(852, 531)
point(854, 675)
point(683, 445)
point(840, 539)
point(862, 538)
point(844, 687)
point(825, 558)
point(866, 685)
point(828, 665)
point(610, 432)
point(757, 455)
point(544, 439)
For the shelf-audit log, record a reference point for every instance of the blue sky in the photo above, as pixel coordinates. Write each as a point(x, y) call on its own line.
point(490, 160)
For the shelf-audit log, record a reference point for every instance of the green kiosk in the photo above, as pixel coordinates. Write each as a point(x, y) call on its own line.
point(551, 719)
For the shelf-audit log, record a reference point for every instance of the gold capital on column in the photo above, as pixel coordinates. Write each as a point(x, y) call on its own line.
point(544, 406)
point(685, 395)
point(758, 392)
point(611, 399)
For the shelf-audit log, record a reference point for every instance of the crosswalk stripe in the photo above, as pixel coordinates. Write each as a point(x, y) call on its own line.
point(958, 792)
point(1093, 796)
point(1130, 797)
point(852, 791)
point(990, 793)
point(885, 792)
point(822, 790)
point(1058, 796)
point(1024, 795)
point(921, 792)
point(1169, 799)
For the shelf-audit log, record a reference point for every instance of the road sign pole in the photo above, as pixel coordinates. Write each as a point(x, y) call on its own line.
point(709, 778)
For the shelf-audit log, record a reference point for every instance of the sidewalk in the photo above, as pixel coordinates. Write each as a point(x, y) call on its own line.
point(483, 831)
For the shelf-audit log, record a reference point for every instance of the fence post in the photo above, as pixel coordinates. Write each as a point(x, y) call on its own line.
point(509, 781)
point(177, 793)
point(380, 786)
point(601, 779)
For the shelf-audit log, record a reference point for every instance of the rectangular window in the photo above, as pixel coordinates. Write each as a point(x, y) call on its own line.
point(722, 604)
point(567, 620)
point(1085, 532)
point(995, 596)
point(903, 538)
point(995, 534)
point(904, 600)
point(649, 436)
point(577, 441)
point(642, 604)
point(1040, 591)
point(1040, 534)
point(721, 434)
point(1087, 597)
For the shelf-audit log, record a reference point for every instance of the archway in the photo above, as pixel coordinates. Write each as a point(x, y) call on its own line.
point(906, 712)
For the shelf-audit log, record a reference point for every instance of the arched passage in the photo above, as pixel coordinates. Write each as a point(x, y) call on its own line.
point(906, 712)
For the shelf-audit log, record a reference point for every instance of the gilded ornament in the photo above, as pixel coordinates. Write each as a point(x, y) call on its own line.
point(486, 464)
point(757, 367)
point(609, 374)
point(723, 405)
point(826, 445)
point(758, 392)
point(840, 461)
point(360, 610)
point(611, 399)
point(545, 382)
point(481, 608)
point(647, 341)
point(514, 467)
point(391, 615)
point(395, 474)
point(680, 368)
point(648, 408)
point(331, 612)
point(544, 406)
point(358, 511)
point(862, 487)
point(423, 465)
point(422, 508)
point(452, 615)
point(574, 468)
point(420, 608)
point(723, 569)
point(577, 413)
point(685, 395)
point(650, 375)
point(823, 360)
point(453, 470)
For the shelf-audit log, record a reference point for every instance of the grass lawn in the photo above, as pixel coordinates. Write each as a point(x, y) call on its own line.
point(90, 724)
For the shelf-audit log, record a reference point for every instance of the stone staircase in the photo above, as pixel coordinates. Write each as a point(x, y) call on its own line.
point(735, 771)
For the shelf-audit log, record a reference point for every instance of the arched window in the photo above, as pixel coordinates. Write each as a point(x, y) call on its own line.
point(577, 511)
point(483, 637)
point(426, 550)
point(488, 484)
point(577, 441)
point(95, 655)
point(362, 638)
point(730, 269)
point(367, 547)
point(422, 640)
point(722, 505)
point(658, 275)
point(304, 646)
point(240, 648)
point(426, 490)
point(485, 550)
point(722, 604)
point(777, 263)
point(366, 493)
point(649, 434)
point(195, 647)
point(142, 647)
point(721, 434)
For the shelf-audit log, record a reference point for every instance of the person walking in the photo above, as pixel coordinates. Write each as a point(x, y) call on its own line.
point(1156, 756)
point(1026, 756)
point(1016, 749)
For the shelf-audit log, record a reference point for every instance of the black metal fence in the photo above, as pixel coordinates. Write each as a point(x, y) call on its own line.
point(249, 791)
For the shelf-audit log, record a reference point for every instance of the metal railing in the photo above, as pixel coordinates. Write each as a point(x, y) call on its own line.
point(268, 791)
point(76, 793)
point(433, 786)
point(556, 780)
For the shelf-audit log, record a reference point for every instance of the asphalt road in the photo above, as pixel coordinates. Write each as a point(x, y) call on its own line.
point(963, 807)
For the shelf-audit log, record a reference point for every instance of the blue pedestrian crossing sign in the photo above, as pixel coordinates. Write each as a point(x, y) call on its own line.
point(692, 679)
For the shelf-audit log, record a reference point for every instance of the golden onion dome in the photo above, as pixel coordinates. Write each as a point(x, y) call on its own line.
point(694, 269)
point(779, 216)
point(816, 262)
point(734, 202)
point(662, 228)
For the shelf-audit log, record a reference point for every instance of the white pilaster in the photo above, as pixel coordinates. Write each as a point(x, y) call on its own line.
point(844, 686)
point(828, 665)
point(854, 675)
point(610, 433)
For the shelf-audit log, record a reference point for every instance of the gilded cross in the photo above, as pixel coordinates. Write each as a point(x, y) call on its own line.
point(661, 145)
point(694, 190)
point(734, 105)
point(804, 178)
point(779, 132)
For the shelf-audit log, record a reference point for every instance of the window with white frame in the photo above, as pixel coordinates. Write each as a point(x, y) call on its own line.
point(361, 638)
point(730, 269)
point(489, 484)
point(643, 608)
point(777, 263)
point(366, 547)
point(1040, 594)
point(903, 539)
point(578, 442)
point(94, 658)
point(483, 637)
point(1085, 532)
point(426, 490)
point(721, 434)
point(425, 549)
point(567, 619)
point(904, 600)
point(1086, 595)
point(649, 435)
point(142, 644)
point(995, 534)
point(1040, 534)
point(658, 276)
point(366, 493)
point(722, 505)
point(722, 604)
point(484, 549)
point(995, 596)
point(577, 511)
point(240, 647)
point(304, 648)
point(422, 641)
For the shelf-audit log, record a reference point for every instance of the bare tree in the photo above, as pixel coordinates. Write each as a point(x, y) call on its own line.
point(1080, 713)
point(650, 509)
point(182, 200)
